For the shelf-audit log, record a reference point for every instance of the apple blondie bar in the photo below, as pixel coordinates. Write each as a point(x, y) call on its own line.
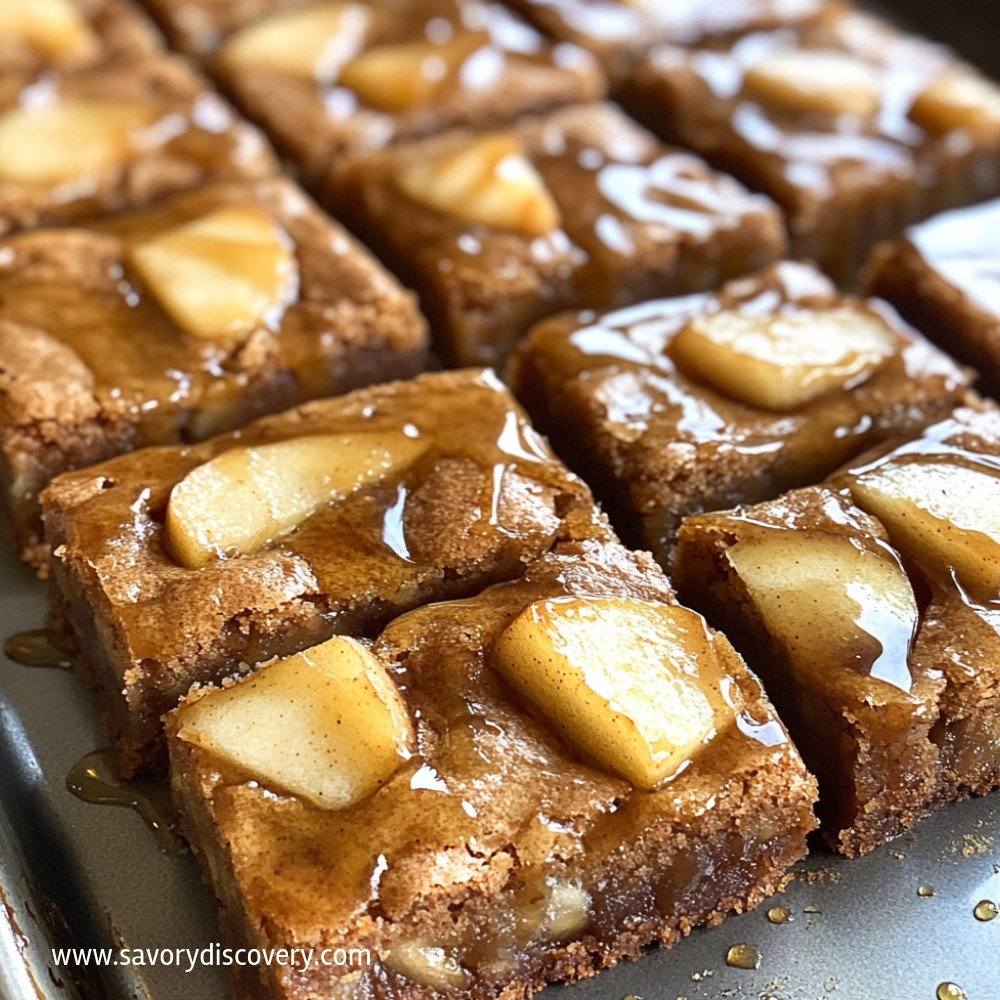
point(173, 565)
point(701, 402)
point(177, 322)
point(579, 207)
point(854, 128)
point(520, 787)
point(942, 274)
point(870, 606)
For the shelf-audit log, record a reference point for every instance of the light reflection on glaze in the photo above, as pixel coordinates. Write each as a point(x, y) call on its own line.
point(393, 534)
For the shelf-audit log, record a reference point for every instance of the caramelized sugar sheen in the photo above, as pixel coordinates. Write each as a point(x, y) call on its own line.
point(503, 859)
point(483, 496)
point(660, 438)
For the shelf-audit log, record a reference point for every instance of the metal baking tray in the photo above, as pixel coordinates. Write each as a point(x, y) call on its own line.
point(894, 925)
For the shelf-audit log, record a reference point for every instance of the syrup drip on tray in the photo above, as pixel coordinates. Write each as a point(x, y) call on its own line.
point(95, 779)
point(36, 648)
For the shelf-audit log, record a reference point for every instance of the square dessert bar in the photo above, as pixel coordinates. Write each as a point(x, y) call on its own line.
point(336, 78)
point(138, 130)
point(619, 32)
point(180, 321)
point(943, 275)
point(870, 606)
point(465, 803)
point(174, 565)
point(38, 35)
point(855, 129)
point(580, 207)
point(676, 406)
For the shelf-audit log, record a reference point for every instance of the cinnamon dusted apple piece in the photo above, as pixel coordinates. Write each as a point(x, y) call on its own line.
point(403, 75)
point(57, 36)
point(816, 80)
point(223, 275)
point(636, 686)
point(943, 511)
point(55, 29)
point(326, 724)
point(249, 497)
point(958, 100)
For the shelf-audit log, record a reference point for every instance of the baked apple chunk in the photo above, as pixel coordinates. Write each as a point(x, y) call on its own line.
point(326, 724)
point(247, 497)
point(489, 181)
point(779, 362)
point(222, 275)
point(636, 686)
point(944, 512)
point(100, 133)
point(831, 602)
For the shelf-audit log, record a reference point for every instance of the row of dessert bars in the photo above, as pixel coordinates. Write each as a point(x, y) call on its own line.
point(418, 697)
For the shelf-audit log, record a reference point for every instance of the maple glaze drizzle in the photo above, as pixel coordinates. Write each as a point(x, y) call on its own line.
point(95, 779)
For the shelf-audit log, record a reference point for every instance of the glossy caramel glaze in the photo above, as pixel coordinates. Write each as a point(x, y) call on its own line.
point(844, 177)
point(490, 68)
point(607, 391)
point(484, 497)
point(494, 810)
point(637, 219)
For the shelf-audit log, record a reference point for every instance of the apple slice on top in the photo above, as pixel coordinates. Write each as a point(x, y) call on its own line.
point(313, 42)
point(407, 75)
point(943, 513)
point(831, 603)
point(327, 724)
point(222, 275)
point(70, 139)
point(635, 685)
point(782, 361)
point(249, 496)
point(488, 181)
point(818, 81)
point(54, 28)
